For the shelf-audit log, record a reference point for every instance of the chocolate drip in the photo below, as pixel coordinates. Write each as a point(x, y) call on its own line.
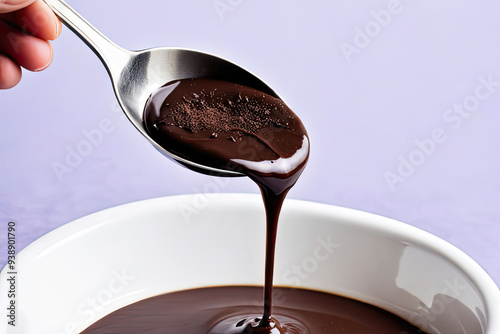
point(233, 127)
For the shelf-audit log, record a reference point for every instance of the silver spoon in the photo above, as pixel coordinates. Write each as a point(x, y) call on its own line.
point(137, 74)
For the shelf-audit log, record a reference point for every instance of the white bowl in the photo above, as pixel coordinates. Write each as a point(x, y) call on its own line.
point(86, 269)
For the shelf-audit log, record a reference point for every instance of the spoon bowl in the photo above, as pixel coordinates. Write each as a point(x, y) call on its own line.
point(135, 75)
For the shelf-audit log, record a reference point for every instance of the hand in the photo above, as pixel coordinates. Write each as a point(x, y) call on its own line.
point(26, 26)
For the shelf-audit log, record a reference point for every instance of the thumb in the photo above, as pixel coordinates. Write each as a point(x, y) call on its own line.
point(7, 6)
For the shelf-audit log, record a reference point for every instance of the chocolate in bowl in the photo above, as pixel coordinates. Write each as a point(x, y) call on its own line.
point(143, 249)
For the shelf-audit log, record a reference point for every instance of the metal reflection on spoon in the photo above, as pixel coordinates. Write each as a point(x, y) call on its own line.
point(135, 75)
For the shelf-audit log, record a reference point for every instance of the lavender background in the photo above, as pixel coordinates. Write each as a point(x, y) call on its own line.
point(375, 102)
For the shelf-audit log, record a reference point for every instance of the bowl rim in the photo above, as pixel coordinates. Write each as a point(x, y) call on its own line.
point(479, 277)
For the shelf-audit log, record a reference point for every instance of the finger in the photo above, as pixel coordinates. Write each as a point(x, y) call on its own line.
point(10, 72)
point(37, 19)
point(28, 51)
point(7, 6)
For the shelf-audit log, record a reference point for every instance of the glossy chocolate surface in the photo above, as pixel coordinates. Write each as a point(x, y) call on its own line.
point(223, 310)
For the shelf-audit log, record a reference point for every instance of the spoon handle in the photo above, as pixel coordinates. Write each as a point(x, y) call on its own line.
point(113, 56)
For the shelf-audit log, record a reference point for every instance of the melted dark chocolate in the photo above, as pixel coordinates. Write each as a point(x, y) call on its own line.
point(228, 126)
point(233, 127)
point(231, 310)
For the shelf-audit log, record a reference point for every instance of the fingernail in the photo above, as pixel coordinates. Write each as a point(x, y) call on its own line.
point(50, 59)
point(57, 27)
point(58, 23)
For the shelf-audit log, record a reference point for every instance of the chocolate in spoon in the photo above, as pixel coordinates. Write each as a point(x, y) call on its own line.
point(136, 74)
